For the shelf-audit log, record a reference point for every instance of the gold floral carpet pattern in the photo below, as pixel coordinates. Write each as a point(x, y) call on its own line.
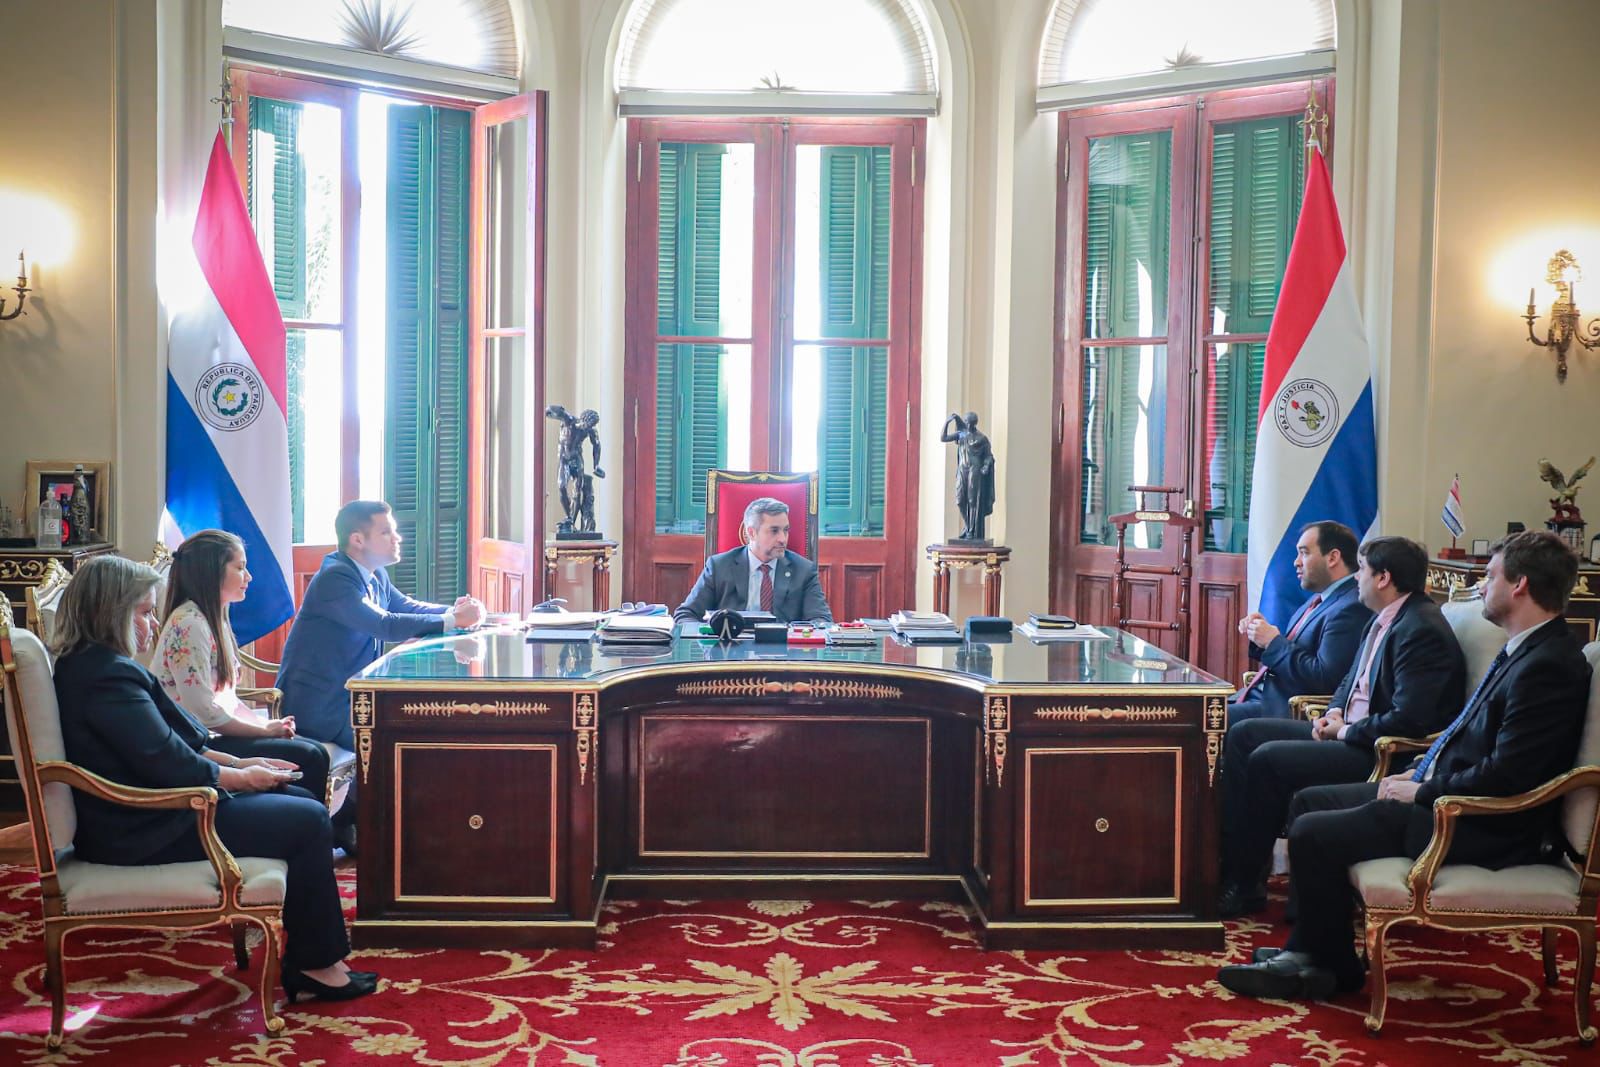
point(773, 983)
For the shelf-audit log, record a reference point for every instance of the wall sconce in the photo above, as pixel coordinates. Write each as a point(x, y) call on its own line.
point(1564, 327)
point(21, 289)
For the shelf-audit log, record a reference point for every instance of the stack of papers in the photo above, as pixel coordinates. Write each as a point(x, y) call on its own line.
point(564, 620)
point(921, 620)
point(636, 630)
point(851, 633)
point(1080, 632)
point(925, 627)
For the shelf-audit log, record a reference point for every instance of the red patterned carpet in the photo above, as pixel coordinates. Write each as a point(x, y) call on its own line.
point(775, 983)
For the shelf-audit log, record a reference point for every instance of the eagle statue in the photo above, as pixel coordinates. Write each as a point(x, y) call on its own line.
point(1566, 489)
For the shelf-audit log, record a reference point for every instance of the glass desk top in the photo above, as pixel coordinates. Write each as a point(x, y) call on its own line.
point(504, 655)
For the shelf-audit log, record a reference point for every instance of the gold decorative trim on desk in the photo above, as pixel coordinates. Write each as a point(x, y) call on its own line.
point(1132, 713)
point(500, 708)
point(996, 728)
point(585, 724)
point(1216, 726)
point(828, 688)
point(363, 719)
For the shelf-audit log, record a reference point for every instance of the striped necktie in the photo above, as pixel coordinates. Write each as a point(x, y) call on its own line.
point(1294, 631)
point(1426, 763)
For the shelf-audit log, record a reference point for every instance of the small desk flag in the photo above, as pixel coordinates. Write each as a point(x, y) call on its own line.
point(1451, 515)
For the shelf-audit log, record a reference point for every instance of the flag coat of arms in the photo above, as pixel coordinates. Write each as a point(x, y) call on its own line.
point(227, 404)
point(1316, 441)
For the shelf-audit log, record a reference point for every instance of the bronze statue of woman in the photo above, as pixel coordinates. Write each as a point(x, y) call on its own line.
point(975, 476)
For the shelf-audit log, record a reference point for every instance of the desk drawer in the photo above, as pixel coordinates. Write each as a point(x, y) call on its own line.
point(476, 824)
point(1101, 826)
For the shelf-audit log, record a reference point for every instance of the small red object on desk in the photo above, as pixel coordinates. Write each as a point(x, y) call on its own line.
point(806, 635)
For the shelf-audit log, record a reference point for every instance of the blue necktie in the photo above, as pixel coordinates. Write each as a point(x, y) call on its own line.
point(1450, 731)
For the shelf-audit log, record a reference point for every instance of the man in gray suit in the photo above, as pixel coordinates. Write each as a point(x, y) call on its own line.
point(761, 575)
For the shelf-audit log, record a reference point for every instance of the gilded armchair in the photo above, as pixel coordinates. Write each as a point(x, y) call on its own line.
point(220, 890)
point(1551, 896)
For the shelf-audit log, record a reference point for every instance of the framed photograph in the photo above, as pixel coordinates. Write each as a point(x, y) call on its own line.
point(54, 477)
point(1480, 546)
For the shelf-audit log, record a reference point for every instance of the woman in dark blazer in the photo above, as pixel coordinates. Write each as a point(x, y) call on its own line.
point(117, 723)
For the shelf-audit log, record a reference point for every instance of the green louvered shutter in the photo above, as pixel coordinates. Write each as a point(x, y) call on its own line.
point(691, 389)
point(425, 453)
point(285, 176)
point(852, 433)
point(1128, 230)
point(1257, 180)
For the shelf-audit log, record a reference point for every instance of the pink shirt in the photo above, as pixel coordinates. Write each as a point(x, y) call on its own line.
point(1360, 695)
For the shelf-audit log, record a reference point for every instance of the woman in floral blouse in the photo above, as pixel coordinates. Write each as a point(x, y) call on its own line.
point(199, 671)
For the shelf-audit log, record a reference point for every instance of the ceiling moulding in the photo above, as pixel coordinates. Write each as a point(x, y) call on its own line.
point(368, 69)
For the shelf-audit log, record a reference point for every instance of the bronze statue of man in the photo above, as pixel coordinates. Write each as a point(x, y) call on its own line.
point(974, 473)
point(577, 488)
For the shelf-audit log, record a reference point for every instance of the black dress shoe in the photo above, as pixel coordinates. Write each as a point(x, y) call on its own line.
point(1235, 901)
point(1286, 976)
point(297, 982)
point(344, 837)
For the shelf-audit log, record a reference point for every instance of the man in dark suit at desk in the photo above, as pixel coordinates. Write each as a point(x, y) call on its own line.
point(1408, 680)
point(349, 610)
point(1321, 638)
point(1519, 729)
point(761, 575)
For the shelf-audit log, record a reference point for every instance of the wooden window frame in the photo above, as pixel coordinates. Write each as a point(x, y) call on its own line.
point(1219, 577)
point(845, 561)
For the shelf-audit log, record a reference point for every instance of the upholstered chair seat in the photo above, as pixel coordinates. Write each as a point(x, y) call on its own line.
point(95, 888)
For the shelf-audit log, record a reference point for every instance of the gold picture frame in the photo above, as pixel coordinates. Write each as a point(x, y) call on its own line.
point(48, 475)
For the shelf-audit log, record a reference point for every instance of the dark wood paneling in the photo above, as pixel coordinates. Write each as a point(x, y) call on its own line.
point(506, 789)
point(1089, 838)
point(670, 583)
point(862, 593)
point(814, 785)
point(1217, 630)
point(1094, 598)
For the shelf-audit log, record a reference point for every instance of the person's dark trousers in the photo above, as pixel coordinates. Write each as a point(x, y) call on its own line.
point(1240, 742)
point(1334, 827)
point(1250, 708)
point(285, 824)
point(345, 817)
point(310, 757)
point(1275, 771)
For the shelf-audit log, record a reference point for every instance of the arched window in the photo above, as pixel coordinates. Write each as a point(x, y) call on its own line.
point(1183, 133)
point(387, 161)
point(1097, 50)
point(425, 45)
point(811, 57)
point(773, 276)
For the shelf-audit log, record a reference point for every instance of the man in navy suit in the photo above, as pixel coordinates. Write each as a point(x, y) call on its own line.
point(1519, 729)
point(1408, 680)
point(761, 575)
point(1321, 639)
point(349, 610)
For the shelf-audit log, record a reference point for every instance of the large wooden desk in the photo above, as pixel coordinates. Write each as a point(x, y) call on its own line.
point(1066, 791)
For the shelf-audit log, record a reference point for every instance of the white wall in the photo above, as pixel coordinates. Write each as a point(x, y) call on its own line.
point(1463, 155)
point(57, 189)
